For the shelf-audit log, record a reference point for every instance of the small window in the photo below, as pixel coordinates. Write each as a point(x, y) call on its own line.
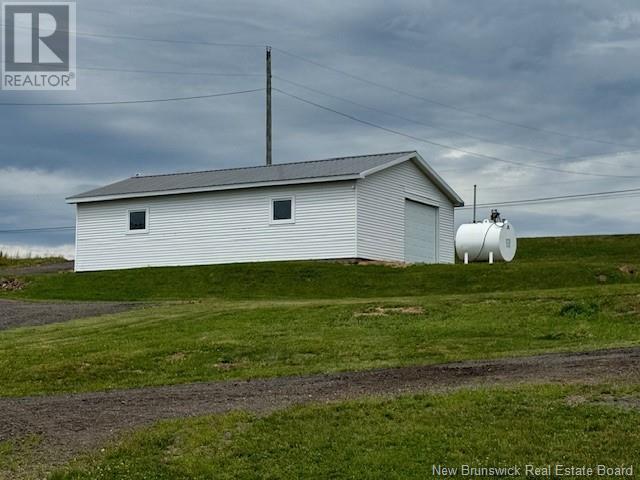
point(138, 220)
point(282, 210)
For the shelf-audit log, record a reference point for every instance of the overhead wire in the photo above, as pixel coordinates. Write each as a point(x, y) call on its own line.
point(557, 198)
point(610, 194)
point(407, 119)
point(154, 39)
point(170, 72)
point(127, 102)
point(37, 229)
point(456, 132)
point(348, 74)
point(449, 147)
point(508, 186)
point(513, 203)
point(450, 106)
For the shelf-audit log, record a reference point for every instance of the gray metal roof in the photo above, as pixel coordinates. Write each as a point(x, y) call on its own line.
point(322, 170)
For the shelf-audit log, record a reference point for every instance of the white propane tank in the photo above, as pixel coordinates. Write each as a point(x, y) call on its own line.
point(486, 241)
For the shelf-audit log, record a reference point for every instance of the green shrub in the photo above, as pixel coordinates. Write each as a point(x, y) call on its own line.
point(579, 309)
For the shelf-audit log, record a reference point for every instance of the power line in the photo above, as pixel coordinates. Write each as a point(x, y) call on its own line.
point(311, 89)
point(545, 202)
point(507, 186)
point(129, 102)
point(455, 132)
point(448, 147)
point(613, 164)
point(39, 229)
point(165, 72)
point(155, 39)
point(579, 196)
point(449, 106)
point(401, 117)
point(356, 77)
point(167, 40)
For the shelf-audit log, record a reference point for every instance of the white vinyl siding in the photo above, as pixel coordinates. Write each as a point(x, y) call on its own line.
point(219, 227)
point(381, 212)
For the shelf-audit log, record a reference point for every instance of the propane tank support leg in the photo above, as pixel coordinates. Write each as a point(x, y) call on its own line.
point(466, 258)
point(490, 257)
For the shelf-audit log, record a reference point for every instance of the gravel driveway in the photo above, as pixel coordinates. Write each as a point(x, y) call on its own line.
point(37, 269)
point(70, 424)
point(17, 313)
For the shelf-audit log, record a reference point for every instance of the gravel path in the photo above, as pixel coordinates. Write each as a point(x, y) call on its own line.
point(72, 423)
point(16, 313)
point(34, 269)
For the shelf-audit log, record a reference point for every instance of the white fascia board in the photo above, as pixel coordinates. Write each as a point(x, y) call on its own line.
point(450, 192)
point(427, 169)
point(238, 186)
point(390, 164)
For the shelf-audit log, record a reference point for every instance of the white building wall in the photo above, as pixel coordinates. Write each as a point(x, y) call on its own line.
point(380, 204)
point(218, 227)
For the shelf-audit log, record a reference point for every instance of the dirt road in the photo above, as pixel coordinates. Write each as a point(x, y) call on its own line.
point(15, 313)
point(36, 269)
point(71, 423)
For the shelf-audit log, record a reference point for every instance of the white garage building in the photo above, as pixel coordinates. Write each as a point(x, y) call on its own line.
point(390, 206)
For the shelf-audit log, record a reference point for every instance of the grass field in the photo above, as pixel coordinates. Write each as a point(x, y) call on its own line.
point(217, 341)
point(279, 319)
point(545, 263)
point(248, 324)
point(385, 439)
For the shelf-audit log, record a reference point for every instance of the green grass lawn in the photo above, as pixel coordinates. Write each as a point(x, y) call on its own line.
point(212, 340)
point(275, 319)
point(385, 439)
point(17, 458)
point(541, 263)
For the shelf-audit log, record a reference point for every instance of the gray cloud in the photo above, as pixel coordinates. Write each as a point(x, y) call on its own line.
point(568, 66)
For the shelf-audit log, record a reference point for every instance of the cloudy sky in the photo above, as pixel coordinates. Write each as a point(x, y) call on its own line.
point(533, 82)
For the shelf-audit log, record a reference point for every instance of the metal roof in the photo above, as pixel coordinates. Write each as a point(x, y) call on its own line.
point(331, 169)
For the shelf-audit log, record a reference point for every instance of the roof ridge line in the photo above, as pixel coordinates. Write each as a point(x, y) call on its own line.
point(273, 165)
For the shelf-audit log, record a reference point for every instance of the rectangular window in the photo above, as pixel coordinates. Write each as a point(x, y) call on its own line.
point(138, 221)
point(282, 210)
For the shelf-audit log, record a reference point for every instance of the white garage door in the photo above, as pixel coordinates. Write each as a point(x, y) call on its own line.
point(420, 230)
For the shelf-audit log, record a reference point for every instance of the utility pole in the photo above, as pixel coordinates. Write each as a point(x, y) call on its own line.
point(474, 203)
point(268, 106)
